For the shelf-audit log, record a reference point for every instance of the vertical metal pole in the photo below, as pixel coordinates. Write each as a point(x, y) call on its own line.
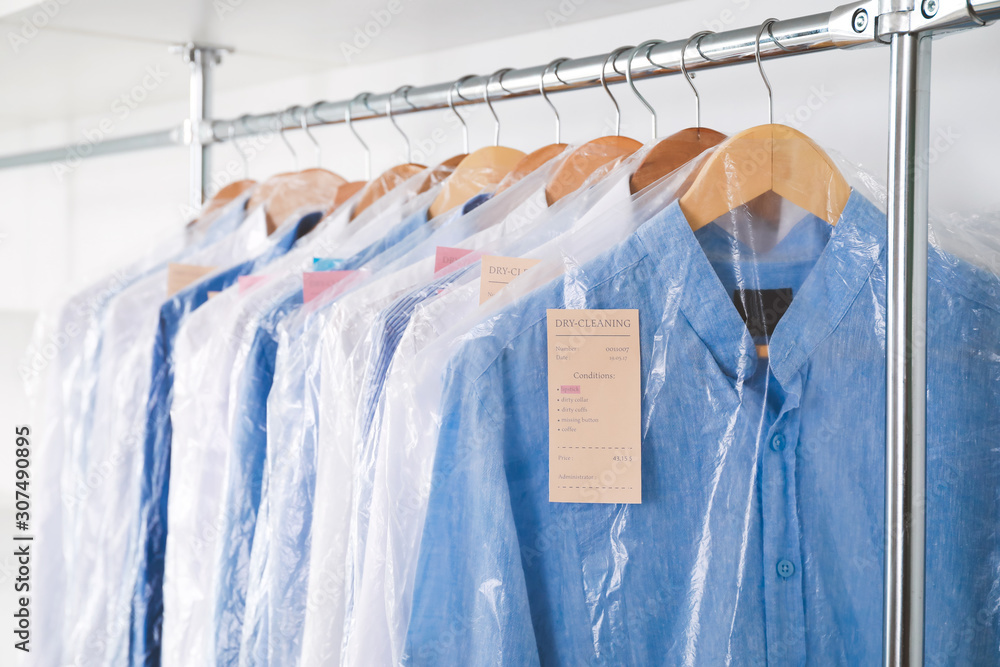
point(201, 61)
point(906, 354)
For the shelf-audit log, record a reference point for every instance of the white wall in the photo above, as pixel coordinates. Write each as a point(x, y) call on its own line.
point(69, 229)
point(59, 232)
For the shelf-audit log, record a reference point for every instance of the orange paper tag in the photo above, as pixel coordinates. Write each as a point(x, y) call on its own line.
point(445, 256)
point(498, 271)
point(180, 276)
point(594, 406)
point(315, 283)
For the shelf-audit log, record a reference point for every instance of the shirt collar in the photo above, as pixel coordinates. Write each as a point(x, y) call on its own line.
point(683, 270)
point(843, 268)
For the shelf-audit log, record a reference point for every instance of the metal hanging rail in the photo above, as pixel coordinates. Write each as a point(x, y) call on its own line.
point(846, 26)
point(906, 25)
point(850, 25)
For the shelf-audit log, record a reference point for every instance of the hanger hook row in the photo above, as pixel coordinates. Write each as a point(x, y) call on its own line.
point(388, 112)
point(648, 46)
point(612, 57)
point(766, 25)
point(489, 103)
point(545, 95)
point(350, 126)
point(451, 105)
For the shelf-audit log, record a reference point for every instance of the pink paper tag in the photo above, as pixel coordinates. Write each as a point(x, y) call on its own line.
point(446, 256)
point(246, 282)
point(315, 283)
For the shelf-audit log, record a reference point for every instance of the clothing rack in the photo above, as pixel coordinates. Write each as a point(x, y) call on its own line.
point(905, 25)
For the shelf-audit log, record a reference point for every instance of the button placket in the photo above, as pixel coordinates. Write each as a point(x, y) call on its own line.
point(783, 583)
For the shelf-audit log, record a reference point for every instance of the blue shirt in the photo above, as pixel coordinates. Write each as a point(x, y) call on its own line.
point(81, 406)
point(246, 471)
point(388, 330)
point(278, 612)
point(759, 539)
point(150, 538)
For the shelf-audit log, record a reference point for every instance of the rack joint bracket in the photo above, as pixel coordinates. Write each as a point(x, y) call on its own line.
point(925, 16)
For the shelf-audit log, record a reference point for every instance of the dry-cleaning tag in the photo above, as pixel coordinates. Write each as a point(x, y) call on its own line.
point(315, 283)
point(180, 276)
point(498, 271)
point(594, 406)
point(444, 256)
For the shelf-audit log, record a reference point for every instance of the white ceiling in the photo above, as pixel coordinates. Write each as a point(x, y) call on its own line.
point(67, 58)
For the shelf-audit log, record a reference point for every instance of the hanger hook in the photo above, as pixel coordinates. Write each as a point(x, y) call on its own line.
point(545, 96)
point(451, 105)
point(281, 133)
point(305, 128)
point(489, 103)
point(766, 25)
point(690, 77)
point(612, 57)
point(388, 112)
point(239, 149)
point(350, 126)
point(648, 46)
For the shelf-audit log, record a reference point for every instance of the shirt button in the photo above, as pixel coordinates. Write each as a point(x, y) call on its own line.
point(778, 442)
point(785, 568)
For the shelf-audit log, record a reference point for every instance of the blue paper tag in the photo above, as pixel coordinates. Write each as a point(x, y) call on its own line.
point(327, 264)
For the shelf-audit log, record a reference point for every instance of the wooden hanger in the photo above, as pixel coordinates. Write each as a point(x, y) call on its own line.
point(445, 169)
point(227, 194)
point(345, 192)
point(585, 160)
point(441, 172)
point(392, 177)
point(530, 163)
point(284, 194)
point(767, 158)
point(537, 158)
point(480, 170)
point(673, 152)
